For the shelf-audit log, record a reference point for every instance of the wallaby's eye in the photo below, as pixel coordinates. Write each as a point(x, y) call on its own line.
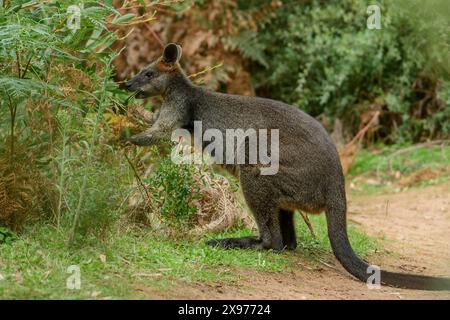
point(149, 74)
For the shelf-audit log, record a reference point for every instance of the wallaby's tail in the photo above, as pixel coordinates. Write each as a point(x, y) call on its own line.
point(337, 232)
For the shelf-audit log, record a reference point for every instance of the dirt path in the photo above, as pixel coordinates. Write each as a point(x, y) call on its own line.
point(415, 224)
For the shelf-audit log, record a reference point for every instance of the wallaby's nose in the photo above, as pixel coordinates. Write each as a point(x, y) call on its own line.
point(128, 84)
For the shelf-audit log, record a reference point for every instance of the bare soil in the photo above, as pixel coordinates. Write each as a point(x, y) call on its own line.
point(414, 229)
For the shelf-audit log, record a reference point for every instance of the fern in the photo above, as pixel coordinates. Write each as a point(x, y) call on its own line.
point(44, 72)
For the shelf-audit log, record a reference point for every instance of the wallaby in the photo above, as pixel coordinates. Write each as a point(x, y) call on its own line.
point(310, 176)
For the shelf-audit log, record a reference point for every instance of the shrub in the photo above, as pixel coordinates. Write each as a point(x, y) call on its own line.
point(55, 86)
point(7, 236)
point(175, 190)
point(321, 57)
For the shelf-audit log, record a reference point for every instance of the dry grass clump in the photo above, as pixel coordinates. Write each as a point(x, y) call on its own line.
point(218, 206)
point(23, 194)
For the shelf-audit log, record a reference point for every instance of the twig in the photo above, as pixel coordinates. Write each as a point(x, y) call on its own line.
point(328, 265)
point(157, 38)
point(206, 70)
point(308, 223)
point(363, 131)
point(138, 21)
point(138, 178)
point(27, 66)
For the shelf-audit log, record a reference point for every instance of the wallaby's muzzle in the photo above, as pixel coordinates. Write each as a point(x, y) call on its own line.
point(129, 84)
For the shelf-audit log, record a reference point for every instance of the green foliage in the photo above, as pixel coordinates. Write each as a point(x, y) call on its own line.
point(55, 87)
point(322, 57)
point(174, 190)
point(7, 236)
point(404, 158)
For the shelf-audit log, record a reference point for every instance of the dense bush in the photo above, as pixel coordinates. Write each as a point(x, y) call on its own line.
point(62, 117)
point(55, 87)
point(321, 56)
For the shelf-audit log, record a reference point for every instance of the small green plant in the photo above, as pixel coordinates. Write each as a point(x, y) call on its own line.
point(7, 236)
point(175, 190)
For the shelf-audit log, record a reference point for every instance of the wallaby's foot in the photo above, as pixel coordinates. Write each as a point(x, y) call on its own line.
point(242, 243)
point(291, 246)
point(140, 139)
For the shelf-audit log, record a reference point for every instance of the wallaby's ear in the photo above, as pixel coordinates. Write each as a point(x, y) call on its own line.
point(180, 52)
point(172, 53)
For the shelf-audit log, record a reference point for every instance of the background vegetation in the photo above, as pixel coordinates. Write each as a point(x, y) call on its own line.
point(68, 180)
point(324, 59)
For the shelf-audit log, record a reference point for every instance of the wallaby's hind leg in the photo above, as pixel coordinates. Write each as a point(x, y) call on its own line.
point(276, 239)
point(266, 213)
point(288, 229)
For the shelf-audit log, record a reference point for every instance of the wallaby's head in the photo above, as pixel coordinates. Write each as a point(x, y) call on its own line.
point(154, 79)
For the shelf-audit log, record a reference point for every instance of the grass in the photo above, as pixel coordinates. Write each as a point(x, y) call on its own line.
point(398, 167)
point(35, 266)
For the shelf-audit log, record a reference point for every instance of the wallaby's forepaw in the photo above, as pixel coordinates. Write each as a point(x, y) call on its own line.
point(141, 139)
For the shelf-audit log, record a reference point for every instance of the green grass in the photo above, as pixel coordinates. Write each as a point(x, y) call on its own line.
point(382, 159)
point(35, 265)
point(381, 168)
